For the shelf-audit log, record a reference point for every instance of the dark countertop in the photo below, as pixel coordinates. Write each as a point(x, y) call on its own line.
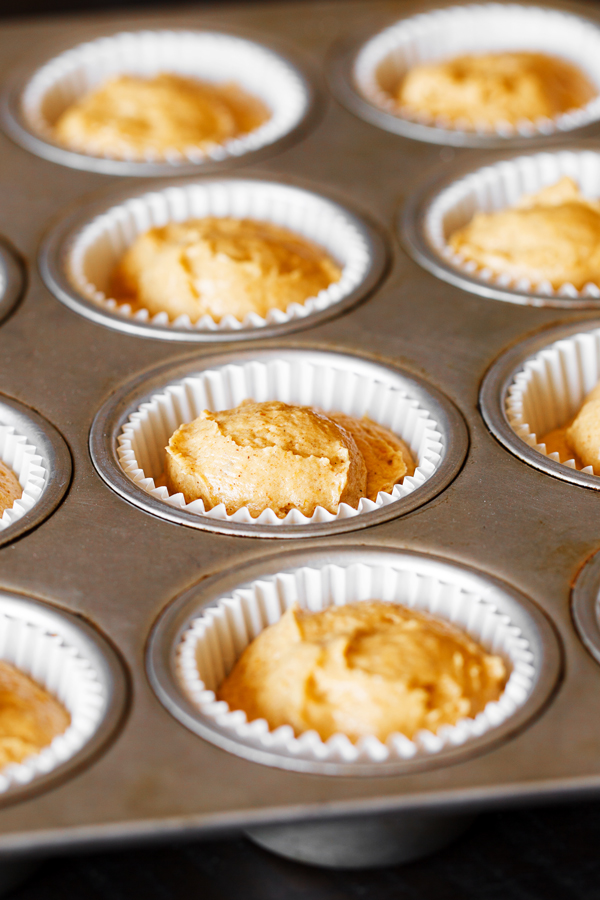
point(543, 854)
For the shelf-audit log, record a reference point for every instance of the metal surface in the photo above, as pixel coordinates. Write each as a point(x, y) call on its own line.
point(494, 391)
point(12, 280)
point(367, 843)
point(91, 646)
point(52, 266)
point(105, 559)
point(117, 409)
point(15, 125)
point(51, 447)
point(585, 605)
point(176, 619)
point(411, 225)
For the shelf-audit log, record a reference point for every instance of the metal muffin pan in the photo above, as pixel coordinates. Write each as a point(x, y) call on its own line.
point(108, 426)
point(168, 633)
point(16, 124)
point(63, 236)
point(12, 280)
point(106, 560)
point(51, 447)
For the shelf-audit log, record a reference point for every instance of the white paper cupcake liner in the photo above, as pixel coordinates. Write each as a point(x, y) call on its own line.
point(21, 456)
point(48, 658)
point(208, 56)
point(97, 248)
point(551, 387)
point(497, 187)
point(146, 433)
point(480, 28)
point(215, 640)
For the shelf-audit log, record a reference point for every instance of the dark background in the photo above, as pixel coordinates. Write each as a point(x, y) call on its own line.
point(544, 854)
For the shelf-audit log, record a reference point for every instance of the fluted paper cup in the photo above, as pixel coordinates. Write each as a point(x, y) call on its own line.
point(215, 639)
point(47, 656)
point(496, 187)
point(144, 436)
point(204, 55)
point(479, 28)
point(550, 389)
point(20, 455)
point(94, 250)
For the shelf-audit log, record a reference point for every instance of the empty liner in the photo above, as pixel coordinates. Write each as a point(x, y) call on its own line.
point(216, 638)
point(207, 56)
point(497, 187)
point(48, 658)
point(480, 28)
point(144, 436)
point(551, 388)
point(30, 468)
point(94, 250)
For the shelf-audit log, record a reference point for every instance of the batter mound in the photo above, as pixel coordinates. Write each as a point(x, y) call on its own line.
point(10, 489)
point(368, 668)
point(495, 87)
point(553, 235)
point(130, 117)
point(30, 718)
point(579, 439)
point(281, 457)
point(221, 267)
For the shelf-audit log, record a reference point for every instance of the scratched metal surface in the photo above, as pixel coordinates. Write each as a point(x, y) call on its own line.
point(119, 567)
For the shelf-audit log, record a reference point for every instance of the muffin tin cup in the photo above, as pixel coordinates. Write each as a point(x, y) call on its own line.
point(538, 386)
point(81, 252)
point(198, 639)
point(585, 605)
point(130, 433)
point(39, 457)
point(441, 208)
point(365, 77)
point(34, 101)
point(74, 664)
point(12, 280)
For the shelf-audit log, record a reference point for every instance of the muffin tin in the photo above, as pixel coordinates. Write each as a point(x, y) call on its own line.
point(490, 519)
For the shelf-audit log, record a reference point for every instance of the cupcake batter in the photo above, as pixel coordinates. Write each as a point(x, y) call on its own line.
point(30, 718)
point(130, 117)
point(10, 489)
point(361, 669)
point(281, 457)
point(553, 235)
point(495, 87)
point(219, 267)
point(579, 439)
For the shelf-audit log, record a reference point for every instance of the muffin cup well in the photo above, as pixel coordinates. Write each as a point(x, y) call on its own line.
point(131, 431)
point(479, 28)
point(438, 210)
point(585, 603)
point(209, 56)
point(80, 255)
point(39, 457)
point(11, 280)
point(540, 385)
point(145, 435)
point(204, 633)
point(76, 666)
